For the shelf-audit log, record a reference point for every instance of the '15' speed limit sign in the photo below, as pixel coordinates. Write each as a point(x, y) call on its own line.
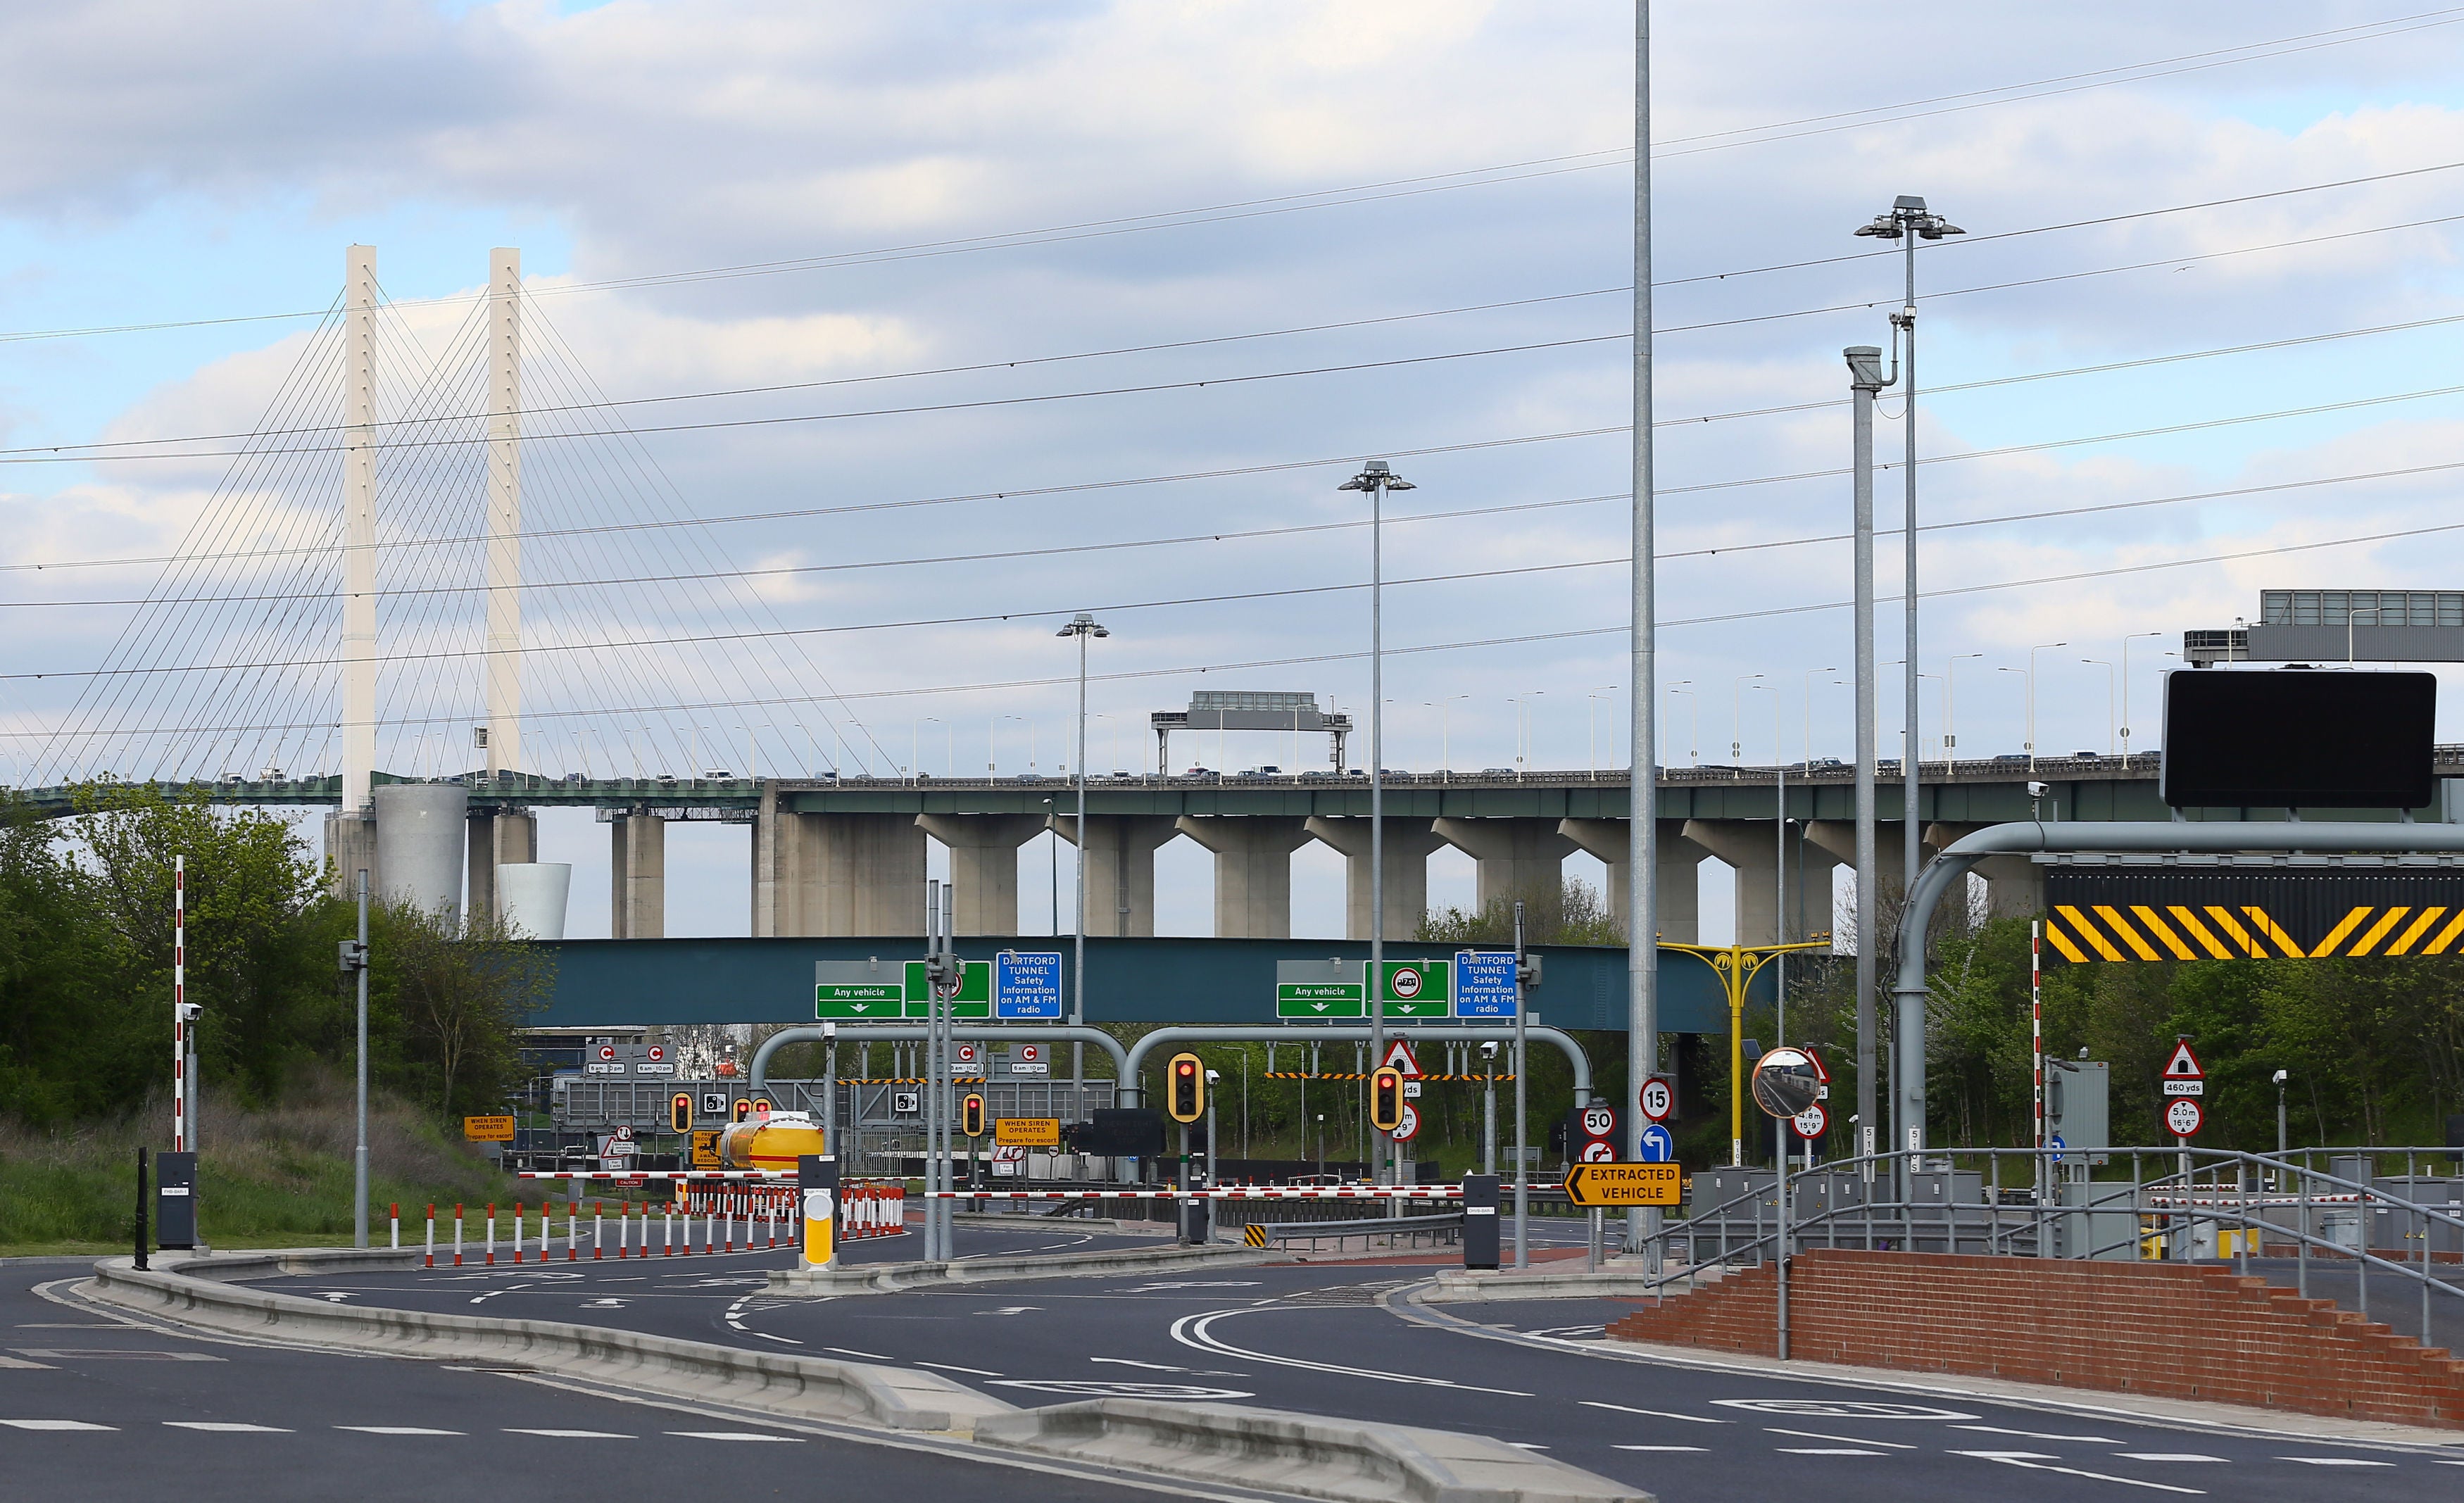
point(1658, 1099)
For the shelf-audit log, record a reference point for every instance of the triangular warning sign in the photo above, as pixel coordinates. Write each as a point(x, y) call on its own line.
point(2183, 1065)
point(1399, 1057)
point(1815, 1060)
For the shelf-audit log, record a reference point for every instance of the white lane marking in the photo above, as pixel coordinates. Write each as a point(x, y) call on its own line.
point(20, 1363)
point(335, 1296)
point(2334, 1461)
point(1010, 1310)
point(574, 1435)
point(395, 1430)
point(1828, 1451)
point(2166, 1455)
point(2034, 1463)
point(1527, 1445)
point(1096, 1388)
point(226, 1428)
point(1656, 1414)
point(55, 1424)
point(1845, 1440)
point(734, 1435)
point(587, 1304)
point(77, 1325)
point(1661, 1447)
point(782, 1340)
point(1193, 1331)
point(1841, 1409)
point(82, 1353)
point(1152, 1367)
point(869, 1356)
point(1196, 1283)
point(2038, 1435)
point(953, 1367)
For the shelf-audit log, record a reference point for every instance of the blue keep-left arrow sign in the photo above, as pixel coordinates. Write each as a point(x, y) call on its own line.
point(1659, 1146)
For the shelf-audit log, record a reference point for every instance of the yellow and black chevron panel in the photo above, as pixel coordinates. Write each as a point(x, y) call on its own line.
point(2102, 914)
point(1254, 1234)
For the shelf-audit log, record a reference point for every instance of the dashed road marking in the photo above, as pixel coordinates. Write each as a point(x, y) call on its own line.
point(573, 1435)
point(2166, 1455)
point(736, 1435)
point(953, 1367)
point(1844, 1440)
point(1656, 1414)
point(1828, 1451)
point(395, 1430)
point(869, 1356)
point(2334, 1461)
point(2038, 1435)
point(2035, 1462)
point(1661, 1447)
point(226, 1428)
point(55, 1424)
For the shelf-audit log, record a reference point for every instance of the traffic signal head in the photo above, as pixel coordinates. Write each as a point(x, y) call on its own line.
point(1386, 1099)
point(1185, 1089)
point(971, 1114)
point(680, 1112)
point(743, 1109)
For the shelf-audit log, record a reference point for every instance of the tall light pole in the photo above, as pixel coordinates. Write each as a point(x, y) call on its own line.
point(1808, 718)
point(1865, 379)
point(2044, 647)
point(1377, 479)
point(2125, 687)
point(2109, 722)
point(1592, 699)
point(1082, 626)
point(1445, 729)
point(1908, 222)
point(1642, 825)
point(1950, 708)
point(1737, 723)
point(1693, 737)
point(1522, 721)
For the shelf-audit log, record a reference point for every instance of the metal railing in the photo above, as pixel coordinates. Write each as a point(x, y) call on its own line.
point(2051, 1213)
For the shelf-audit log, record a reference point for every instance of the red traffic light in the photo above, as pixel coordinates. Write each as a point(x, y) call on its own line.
point(680, 1113)
point(1185, 1096)
point(1386, 1100)
point(971, 1114)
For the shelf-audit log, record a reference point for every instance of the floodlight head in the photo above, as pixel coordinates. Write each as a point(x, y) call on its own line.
point(1083, 624)
point(1883, 228)
point(1937, 226)
point(1374, 476)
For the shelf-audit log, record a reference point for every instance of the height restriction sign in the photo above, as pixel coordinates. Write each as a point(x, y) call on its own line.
point(2182, 1118)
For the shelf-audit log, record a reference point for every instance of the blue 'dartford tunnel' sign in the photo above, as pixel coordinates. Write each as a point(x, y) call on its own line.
point(625, 983)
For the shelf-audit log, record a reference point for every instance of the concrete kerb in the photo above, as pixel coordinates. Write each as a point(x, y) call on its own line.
point(1466, 1286)
point(1299, 1454)
point(1303, 1454)
point(195, 1292)
point(886, 1278)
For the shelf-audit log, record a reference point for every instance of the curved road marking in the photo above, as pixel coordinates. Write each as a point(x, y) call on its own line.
point(1195, 1331)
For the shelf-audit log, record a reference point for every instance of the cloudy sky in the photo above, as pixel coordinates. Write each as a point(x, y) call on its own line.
point(848, 201)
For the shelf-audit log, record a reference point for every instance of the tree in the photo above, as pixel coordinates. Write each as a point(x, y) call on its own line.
point(458, 995)
point(1578, 916)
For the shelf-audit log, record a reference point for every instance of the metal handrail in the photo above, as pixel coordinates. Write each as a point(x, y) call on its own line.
point(2133, 1196)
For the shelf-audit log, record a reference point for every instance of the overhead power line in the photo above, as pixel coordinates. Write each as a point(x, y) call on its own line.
point(1188, 670)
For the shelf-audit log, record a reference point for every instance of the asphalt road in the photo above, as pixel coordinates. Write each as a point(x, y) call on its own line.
point(93, 1407)
point(1319, 1338)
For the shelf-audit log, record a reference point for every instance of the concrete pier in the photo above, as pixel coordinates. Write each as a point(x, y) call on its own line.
point(839, 874)
point(1518, 861)
point(984, 867)
point(637, 876)
point(1409, 845)
point(1253, 870)
point(496, 838)
point(1119, 851)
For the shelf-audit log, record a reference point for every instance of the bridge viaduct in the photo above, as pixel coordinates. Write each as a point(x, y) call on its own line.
point(845, 856)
